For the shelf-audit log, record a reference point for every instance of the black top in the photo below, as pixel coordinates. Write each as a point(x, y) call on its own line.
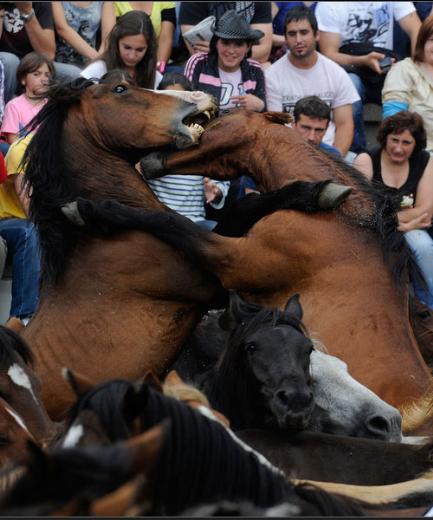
point(417, 165)
point(191, 13)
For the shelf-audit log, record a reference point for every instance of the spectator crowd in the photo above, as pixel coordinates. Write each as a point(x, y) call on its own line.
point(319, 61)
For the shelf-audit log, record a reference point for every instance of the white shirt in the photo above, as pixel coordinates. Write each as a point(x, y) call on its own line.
point(230, 83)
point(371, 22)
point(98, 68)
point(286, 84)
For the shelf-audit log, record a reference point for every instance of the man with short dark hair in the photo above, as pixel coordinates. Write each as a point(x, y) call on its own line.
point(312, 117)
point(303, 72)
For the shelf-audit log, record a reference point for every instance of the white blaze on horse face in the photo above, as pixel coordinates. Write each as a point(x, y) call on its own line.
point(73, 436)
point(20, 378)
point(18, 419)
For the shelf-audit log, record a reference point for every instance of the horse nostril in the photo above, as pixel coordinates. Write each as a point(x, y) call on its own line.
point(282, 396)
point(379, 426)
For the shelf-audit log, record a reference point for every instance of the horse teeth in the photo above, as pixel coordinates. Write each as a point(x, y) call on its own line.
point(207, 114)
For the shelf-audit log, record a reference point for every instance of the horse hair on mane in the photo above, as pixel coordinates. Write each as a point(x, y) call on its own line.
point(11, 344)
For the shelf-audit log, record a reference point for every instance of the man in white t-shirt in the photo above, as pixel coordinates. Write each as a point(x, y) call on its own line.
point(305, 72)
point(360, 26)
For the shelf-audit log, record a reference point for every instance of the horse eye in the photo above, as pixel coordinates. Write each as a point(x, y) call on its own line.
point(4, 439)
point(118, 89)
point(250, 347)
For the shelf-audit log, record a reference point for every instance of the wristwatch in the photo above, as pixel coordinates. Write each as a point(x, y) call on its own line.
point(27, 17)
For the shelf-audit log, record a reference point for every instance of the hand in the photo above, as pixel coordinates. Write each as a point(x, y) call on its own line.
point(249, 102)
point(212, 192)
point(421, 222)
point(372, 60)
point(24, 7)
point(201, 46)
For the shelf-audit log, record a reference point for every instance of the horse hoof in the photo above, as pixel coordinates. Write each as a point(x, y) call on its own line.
point(333, 195)
point(70, 210)
point(152, 165)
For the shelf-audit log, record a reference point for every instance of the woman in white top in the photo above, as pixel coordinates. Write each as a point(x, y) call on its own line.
point(131, 46)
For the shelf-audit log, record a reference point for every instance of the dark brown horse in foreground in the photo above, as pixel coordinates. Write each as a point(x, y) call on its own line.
point(335, 261)
point(116, 306)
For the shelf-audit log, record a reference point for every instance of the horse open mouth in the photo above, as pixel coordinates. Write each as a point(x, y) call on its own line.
point(196, 122)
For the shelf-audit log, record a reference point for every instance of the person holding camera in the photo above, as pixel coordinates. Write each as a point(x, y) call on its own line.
point(303, 71)
point(359, 37)
point(409, 84)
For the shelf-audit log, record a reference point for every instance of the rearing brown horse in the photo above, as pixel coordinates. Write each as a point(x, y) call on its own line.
point(334, 260)
point(117, 306)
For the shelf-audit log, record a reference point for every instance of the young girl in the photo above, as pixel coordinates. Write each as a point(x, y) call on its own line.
point(188, 194)
point(33, 74)
point(131, 46)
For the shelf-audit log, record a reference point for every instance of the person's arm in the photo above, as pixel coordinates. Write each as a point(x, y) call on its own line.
point(364, 164)
point(410, 25)
point(344, 128)
point(67, 33)
point(42, 40)
point(165, 41)
point(108, 20)
point(20, 188)
point(262, 50)
point(329, 45)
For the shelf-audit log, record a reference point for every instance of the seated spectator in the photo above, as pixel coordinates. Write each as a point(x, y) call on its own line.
point(305, 72)
point(78, 25)
point(358, 36)
point(409, 83)
point(33, 75)
point(188, 194)
point(257, 14)
point(26, 27)
point(311, 120)
point(163, 18)
point(131, 46)
point(226, 72)
point(20, 236)
point(404, 170)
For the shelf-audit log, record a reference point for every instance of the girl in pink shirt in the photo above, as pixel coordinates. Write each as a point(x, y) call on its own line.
point(33, 73)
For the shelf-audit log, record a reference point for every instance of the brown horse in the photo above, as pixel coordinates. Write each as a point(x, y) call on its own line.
point(334, 260)
point(109, 307)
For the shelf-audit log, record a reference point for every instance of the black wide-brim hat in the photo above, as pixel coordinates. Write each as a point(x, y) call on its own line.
point(233, 26)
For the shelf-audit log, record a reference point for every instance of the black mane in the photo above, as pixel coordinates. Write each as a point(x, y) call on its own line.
point(11, 344)
point(50, 182)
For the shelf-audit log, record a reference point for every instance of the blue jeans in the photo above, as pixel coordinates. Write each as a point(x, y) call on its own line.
point(64, 72)
point(23, 246)
point(421, 245)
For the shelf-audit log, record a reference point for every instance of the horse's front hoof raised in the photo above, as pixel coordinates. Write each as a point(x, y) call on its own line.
point(333, 195)
point(152, 165)
point(71, 212)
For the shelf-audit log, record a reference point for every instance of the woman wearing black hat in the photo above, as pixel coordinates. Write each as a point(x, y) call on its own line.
point(225, 72)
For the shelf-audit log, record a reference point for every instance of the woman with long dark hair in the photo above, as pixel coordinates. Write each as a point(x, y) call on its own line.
point(131, 46)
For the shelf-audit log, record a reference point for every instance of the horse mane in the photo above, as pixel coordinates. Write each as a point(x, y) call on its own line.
point(415, 414)
point(50, 182)
point(11, 344)
point(229, 387)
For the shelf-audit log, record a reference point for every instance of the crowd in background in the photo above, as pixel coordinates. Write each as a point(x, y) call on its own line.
point(319, 61)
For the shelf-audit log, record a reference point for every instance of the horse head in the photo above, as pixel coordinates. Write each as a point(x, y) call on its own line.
point(345, 407)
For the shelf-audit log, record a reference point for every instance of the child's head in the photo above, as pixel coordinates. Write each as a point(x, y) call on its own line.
point(132, 44)
point(34, 73)
point(174, 81)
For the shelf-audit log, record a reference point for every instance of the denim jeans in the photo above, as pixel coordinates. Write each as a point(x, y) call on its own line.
point(23, 246)
point(421, 245)
point(64, 72)
point(368, 94)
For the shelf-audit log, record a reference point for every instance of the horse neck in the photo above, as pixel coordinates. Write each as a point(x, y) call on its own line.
point(101, 171)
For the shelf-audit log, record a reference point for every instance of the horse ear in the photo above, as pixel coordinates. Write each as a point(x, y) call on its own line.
point(79, 383)
point(120, 501)
point(173, 378)
point(146, 447)
point(293, 307)
point(281, 118)
point(151, 380)
point(135, 401)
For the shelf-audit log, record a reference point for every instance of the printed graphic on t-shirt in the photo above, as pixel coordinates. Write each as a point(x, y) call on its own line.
point(247, 9)
point(369, 25)
point(290, 101)
point(13, 23)
point(227, 91)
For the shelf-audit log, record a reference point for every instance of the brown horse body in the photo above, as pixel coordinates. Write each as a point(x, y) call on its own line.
point(335, 261)
point(117, 307)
